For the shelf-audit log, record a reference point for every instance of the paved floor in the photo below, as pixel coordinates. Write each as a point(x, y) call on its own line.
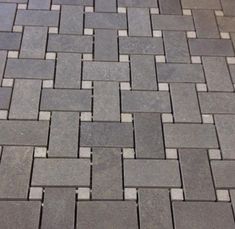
point(117, 114)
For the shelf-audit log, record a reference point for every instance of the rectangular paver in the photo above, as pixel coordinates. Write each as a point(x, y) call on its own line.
point(5, 97)
point(7, 14)
point(170, 6)
point(105, 6)
point(10, 41)
point(39, 5)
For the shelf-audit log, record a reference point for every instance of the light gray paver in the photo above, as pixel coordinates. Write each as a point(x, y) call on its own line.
point(7, 14)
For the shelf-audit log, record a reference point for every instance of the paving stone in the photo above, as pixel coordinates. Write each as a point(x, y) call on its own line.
point(217, 74)
point(205, 24)
point(139, 22)
point(106, 46)
point(73, 2)
point(64, 134)
point(105, 6)
point(228, 7)
point(145, 101)
point(226, 24)
point(143, 73)
point(170, 7)
point(68, 71)
point(232, 195)
point(148, 135)
point(203, 215)
point(20, 215)
point(3, 57)
point(106, 101)
point(105, 21)
point(107, 214)
point(5, 97)
point(25, 99)
point(39, 5)
point(201, 4)
point(30, 68)
point(65, 99)
point(210, 47)
point(141, 45)
point(10, 41)
point(7, 14)
point(61, 172)
point(219, 103)
point(151, 173)
point(232, 72)
point(69, 43)
point(105, 71)
point(37, 18)
point(176, 47)
point(15, 172)
point(106, 174)
point(137, 3)
point(58, 208)
point(71, 21)
point(185, 102)
point(106, 134)
point(190, 136)
point(197, 183)
point(155, 208)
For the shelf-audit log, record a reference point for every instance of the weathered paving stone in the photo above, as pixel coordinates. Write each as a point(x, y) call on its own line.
point(10, 41)
point(106, 101)
point(105, 6)
point(71, 21)
point(225, 125)
point(217, 102)
point(30, 68)
point(217, 74)
point(15, 172)
point(37, 17)
point(148, 135)
point(228, 7)
point(69, 43)
point(190, 136)
point(5, 97)
point(106, 174)
point(106, 46)
point(205, 24)
point(139, 22)
point(201, 4)
point(176, 47)
point(143, 73)
point(155, 208)
point(105, 71)
point(106, 134)
point(68, 71)
point(151, 173)
point(105, 21)
point(3, 57)
point(211, 47)
point(185, 102)
point(145, 101)
point(73, 2)
point(25, 99)
point(137, 3)
point(20, 215)
point(197, 183)
point(25, 133)
point(141, 45)
point(107, 214)
point(65, 100)
point(61, 172)
point(7, 14)
point(170, 7)
point(59, 208)
point(64, 134)
point(39, 5)
point(232, 72)
point(203, 215)
point(226, 24)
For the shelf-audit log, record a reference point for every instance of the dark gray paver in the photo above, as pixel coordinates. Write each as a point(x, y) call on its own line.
point(5, 97)
point(61, 172)
point(170, 6)
point(105, 6)
point(148, 135)
point(7, 14)
point(197, 183)
point(3, 57)
point(151, 173)
point(39, 5)
point(64, 134)
point(106, 134)
point(59, 208)
point(73, 2)
point(106, 174)
point(137, 3)
point(15, 172)
point(10, 41)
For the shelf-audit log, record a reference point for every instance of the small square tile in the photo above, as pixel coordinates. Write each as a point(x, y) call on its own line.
point(87, 56)
point(7, 82)
point(163, 87)
point(171, 154)
point(50, 55)
point(160, 59)
point(125, 86)
point(47, 83)
point(177, 194)
point(222, 195)
point(231, 60)
point(123, 58)
point(157, 33)
point(207, 118)
point(196, 59)
point(154, 11)
point(55, 7)
point(85, 152)
point(40, 152)
point(44, 115)
point(126, 117)
point(128, 153)
point(214, 154)
point(83, 193)
point(89, 9)
point(219, 13)
point(3, 114)
point(88, 31)
point(187, 12)
point(35, 193)
point(224, 35)
point(122, 33)
point(130, 193)
point(86, 116)
point(53, 30)
point(191, 34)
point(122, 10)
point(17, 28)
point(22, 6)
point(12, 54)
point(167, 117)
point(86, 84)
point(201, 87)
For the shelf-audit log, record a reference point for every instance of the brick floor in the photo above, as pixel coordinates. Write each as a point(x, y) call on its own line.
point(117, 114)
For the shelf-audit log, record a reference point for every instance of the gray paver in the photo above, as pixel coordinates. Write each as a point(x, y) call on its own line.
point(232, 72)
point(7, 14)
point(228, 7)
point(105, 6)
point(10, 41)
point(39, 5)
point(137, 3)
point(106, 174)
point(73, 2)
point(170, 7)
point(226, 24)
point(3, 57)
point(5, 97)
